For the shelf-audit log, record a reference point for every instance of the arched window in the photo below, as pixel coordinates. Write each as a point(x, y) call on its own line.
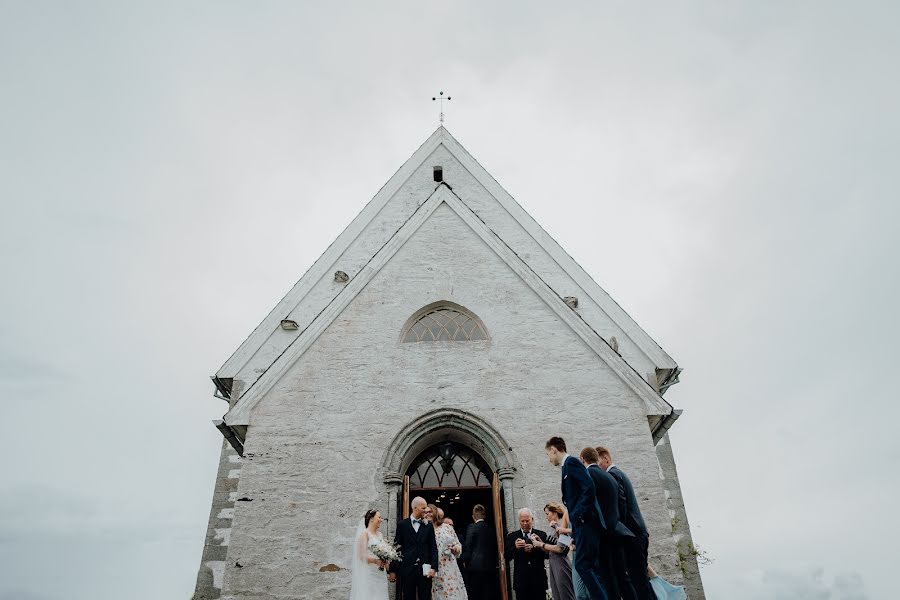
point(444, 322)
point(449, 465)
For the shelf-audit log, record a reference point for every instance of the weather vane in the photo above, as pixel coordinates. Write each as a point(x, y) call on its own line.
point(441, 98)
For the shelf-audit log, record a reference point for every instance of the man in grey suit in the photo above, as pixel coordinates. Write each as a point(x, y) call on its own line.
point(636, 547)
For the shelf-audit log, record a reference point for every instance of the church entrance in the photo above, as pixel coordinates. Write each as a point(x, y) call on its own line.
point(454, 478)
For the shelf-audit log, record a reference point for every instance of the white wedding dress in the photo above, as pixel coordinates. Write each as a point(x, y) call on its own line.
point(367, 582)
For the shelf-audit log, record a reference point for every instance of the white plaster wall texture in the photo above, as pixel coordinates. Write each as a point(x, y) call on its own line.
point(413, 193)
point(499, 220)
point(316, 440)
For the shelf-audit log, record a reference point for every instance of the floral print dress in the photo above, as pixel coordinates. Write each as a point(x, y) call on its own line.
point(448, 583)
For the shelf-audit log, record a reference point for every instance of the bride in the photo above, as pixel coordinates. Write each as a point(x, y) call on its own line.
point(368, 582)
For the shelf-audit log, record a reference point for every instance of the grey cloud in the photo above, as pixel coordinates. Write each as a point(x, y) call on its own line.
point(36, 509)
point(23, 594)
point(28, 370)
point(812, 584)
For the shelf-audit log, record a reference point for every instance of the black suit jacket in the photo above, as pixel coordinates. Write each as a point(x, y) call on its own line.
point(578, 493)
point(480, 549)
point(607, 490)
point(417, 548)
point(529, 570)
point(633, 518)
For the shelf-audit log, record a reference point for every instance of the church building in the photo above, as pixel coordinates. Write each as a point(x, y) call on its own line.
point(430, 351)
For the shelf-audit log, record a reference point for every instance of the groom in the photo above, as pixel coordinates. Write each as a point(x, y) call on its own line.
point(418, 547)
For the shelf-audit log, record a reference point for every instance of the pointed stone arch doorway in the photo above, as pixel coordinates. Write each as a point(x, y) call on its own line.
point(450, 455)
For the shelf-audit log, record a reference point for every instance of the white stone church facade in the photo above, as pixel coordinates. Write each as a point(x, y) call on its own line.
point(432, 349)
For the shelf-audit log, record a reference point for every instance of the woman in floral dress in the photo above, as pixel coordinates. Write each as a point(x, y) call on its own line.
point(448, 583)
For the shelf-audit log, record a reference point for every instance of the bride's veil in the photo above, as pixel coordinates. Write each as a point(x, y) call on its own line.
point(359, 583)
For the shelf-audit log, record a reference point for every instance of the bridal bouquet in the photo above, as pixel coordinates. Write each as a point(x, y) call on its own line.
point(386, 551)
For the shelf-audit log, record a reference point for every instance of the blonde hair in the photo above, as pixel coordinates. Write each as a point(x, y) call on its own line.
point(435, 515)
point(557, 508)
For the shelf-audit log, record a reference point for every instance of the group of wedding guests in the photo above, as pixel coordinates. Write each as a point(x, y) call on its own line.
point(431, 550)
point(598, 546)
point(597, 549)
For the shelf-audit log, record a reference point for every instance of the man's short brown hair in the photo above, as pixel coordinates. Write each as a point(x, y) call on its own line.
point(590, 456)
point(478, 511)
point(601, 451)
point(556, 442)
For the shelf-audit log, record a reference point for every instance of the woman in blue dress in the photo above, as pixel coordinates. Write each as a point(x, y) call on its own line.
point(663, 589)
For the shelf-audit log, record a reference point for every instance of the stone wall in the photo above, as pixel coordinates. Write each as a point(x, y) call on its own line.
point(218, 532)
point(681, 529)
point(314, 446)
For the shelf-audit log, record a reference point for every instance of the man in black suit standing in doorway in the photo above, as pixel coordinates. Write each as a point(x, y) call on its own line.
point(418, 547)
point(479, 556)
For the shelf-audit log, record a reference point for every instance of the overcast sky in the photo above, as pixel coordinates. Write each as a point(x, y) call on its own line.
point(727, 171)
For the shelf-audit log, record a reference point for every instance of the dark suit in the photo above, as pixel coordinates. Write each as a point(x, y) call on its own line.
point(479, 556)
point(529, 574)
point(417, 548)
point(612, 557)
point(635, 547)
point(587, 524)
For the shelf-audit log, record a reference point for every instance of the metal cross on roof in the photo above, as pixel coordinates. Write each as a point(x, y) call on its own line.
point(441, 98)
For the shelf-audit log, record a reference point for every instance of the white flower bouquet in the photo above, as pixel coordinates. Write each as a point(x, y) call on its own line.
point(386, 551)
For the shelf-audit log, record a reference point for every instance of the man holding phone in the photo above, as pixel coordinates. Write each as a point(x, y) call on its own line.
point(529, 574)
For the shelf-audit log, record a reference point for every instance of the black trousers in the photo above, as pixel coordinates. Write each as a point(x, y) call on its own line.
point(532, 593)
point(606, 566)
point(619, 570)
point(414, 583)
point(480, 585)
point(587, 561)
point(635, 550)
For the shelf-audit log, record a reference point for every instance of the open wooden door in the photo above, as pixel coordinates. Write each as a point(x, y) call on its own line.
point(405, 499)
point(498, 524)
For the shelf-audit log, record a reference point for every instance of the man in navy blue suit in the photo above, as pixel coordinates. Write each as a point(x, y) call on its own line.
point(584, 513)
point(636, 548)
point(612, 556)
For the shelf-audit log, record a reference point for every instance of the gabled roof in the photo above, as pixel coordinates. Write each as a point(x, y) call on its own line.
point(255, 346)
point(655, 406)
